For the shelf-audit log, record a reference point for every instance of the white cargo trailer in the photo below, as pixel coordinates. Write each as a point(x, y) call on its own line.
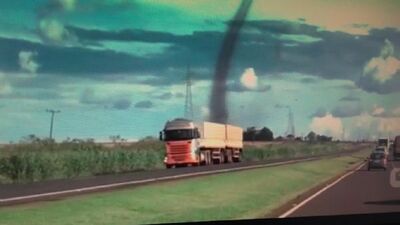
point(189, 143)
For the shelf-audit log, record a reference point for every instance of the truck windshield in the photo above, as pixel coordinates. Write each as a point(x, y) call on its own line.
point(185, 134)
point(382, 142)
point(376, 156)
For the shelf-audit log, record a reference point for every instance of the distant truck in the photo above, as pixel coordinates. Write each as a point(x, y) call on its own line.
point(384, 142)
point(396, 148)
point(204, 143)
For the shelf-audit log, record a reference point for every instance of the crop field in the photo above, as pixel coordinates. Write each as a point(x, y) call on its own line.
point(22, 163)
point(195, 199)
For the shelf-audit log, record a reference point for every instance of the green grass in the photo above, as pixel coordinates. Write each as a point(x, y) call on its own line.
point(237, 195)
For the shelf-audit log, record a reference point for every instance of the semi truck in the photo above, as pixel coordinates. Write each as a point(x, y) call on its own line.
point(191, 144)
point(383, 142)
point(396, 148)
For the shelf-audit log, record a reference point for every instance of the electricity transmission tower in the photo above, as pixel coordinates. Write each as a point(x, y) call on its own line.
point(53, 112)
point(290, 129)
point(188, 97)
point(343, 133)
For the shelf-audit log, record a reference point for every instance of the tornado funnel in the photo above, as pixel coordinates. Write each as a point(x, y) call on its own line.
point(218, 110)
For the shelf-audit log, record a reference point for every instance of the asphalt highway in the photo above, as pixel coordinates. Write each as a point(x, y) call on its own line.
point(361, 192)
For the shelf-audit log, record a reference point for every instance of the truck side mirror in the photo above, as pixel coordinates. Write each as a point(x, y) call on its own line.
point(160, 136)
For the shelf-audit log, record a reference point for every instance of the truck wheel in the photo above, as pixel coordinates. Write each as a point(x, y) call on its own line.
point(168, 166)
point(239, 158)
point(207, 157)
point(229, 156)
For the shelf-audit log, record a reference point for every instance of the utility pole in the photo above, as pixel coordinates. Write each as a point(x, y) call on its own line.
point(53, 112)
point(343, 133)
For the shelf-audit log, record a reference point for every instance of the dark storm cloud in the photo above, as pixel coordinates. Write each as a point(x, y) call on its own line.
point(320, 112)
point(368, 83)
point(349, 87)
point(72, 60)
point(121, 104)
point(34, 95)
point(89, 97)
point(309, 80)
point(347, 110)
point(128, 35)
point(336, 55)
point(144, 104)
point(165, 96)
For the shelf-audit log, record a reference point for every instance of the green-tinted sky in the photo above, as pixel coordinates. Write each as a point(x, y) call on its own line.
point(118, 66)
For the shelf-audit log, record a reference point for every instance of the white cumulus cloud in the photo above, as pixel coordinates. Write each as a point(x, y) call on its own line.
point(385, 66)
point(249, 79)
point(55, 32)
point(27, 62)
point(377, 110)
point(68, 5)
point(327, 125)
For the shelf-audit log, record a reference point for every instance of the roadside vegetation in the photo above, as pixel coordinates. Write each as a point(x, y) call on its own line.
point(41, 159)
point(293, 149)
point(35, 159)
point(195, 199)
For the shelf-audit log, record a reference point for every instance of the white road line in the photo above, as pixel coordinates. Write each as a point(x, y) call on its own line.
point(99, 187)
point(319, 192)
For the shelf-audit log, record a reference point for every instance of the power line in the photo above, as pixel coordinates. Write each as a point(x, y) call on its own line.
point(53, 112)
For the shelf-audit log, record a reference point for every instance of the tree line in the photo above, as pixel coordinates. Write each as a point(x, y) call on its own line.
point(265, 134)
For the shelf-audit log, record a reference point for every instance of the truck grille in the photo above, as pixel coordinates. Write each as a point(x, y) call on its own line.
point(179, 149)
point(179, 152)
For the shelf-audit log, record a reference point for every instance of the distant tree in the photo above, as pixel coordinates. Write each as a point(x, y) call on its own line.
point(298, 139)
point(323, 138)
point(30, 139)
point(250, 134)
point(115, 138)
point(149, 138)
point(279, 138)
point(311, 137)
point(290, 136)
point(264, 134)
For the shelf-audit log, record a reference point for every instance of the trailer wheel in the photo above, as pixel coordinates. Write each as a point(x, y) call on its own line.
point(207, 157)
point(228, 156)
point(239, 158)
point(222, 157)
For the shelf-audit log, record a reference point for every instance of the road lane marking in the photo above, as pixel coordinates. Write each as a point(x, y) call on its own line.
point(320, 191)
point(105, 186)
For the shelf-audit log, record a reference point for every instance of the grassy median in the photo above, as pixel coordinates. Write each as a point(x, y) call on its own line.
point(237, 195)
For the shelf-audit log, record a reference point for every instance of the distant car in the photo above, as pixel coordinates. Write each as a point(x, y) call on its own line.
point(377, 160)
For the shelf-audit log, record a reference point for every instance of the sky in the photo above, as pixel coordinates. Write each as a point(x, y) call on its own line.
point(118, 67)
